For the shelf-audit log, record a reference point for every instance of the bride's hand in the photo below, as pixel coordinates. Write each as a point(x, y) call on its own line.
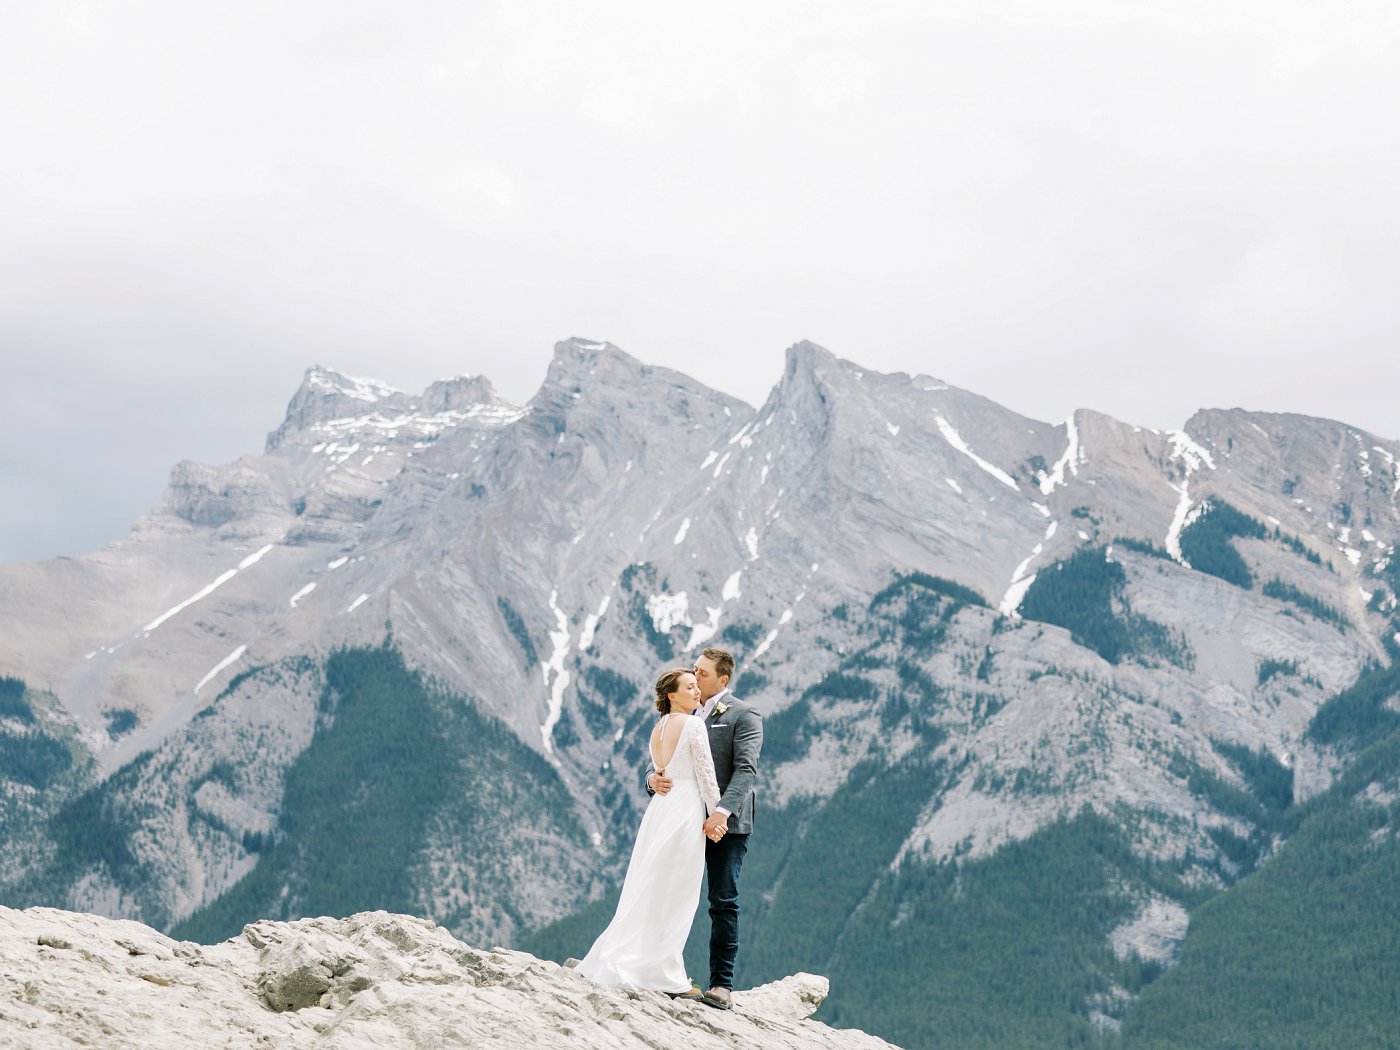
point(716, 826)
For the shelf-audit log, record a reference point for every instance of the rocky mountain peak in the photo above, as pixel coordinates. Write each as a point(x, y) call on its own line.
point(593, 376)
point(578, 356)
point(460, 393)
point(326, 395)
point(808, 365)
point(807, 355)
point(812, 375)
point(360, 389)
point(812, 371)
point(583, 365)
point(329, 402)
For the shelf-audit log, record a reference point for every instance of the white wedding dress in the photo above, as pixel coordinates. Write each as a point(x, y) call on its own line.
point(642, 946)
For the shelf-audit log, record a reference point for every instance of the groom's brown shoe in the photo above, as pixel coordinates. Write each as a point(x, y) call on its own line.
point(719, 998)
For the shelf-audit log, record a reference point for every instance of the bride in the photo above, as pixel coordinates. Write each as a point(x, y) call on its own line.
point(642, 946)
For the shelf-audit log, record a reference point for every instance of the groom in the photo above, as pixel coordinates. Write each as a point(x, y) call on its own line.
point(736, 736)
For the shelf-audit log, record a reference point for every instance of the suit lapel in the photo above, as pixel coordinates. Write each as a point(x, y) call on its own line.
point(715, 714)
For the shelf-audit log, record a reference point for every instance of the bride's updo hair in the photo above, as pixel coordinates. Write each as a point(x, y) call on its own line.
point(668, 683)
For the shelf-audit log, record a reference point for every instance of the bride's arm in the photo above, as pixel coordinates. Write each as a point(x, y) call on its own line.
point(704, 763)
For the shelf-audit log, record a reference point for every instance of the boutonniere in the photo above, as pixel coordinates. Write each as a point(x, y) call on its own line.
point(720, 708)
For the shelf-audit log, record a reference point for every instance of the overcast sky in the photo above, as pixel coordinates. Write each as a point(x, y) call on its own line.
point(1142, 208)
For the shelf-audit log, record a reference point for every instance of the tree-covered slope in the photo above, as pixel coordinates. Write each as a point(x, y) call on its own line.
point(1304, 952)
point(42, 763)
point(395, 773)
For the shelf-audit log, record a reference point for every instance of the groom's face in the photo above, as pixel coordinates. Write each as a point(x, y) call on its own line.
point(709, 682)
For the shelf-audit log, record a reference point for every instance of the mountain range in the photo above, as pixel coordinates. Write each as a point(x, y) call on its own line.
point(1047, 706)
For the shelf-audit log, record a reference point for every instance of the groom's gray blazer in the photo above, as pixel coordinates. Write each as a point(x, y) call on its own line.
point(736, 738)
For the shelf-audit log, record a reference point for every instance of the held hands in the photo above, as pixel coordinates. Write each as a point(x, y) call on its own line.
point(716, 826)
point(659, 781)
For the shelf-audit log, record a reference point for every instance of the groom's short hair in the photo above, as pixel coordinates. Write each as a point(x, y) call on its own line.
point(723, 660)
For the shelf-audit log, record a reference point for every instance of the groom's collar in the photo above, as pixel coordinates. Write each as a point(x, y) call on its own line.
point(709, 707)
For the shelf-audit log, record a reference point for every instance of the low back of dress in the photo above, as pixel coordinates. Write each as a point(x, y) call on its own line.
point(681, 767)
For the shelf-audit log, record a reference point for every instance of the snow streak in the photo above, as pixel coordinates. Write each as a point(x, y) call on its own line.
point(590, 625)
point(703, 632)
point(225, 662)
point(955, 439)
point(1184, 448)
point(1179, 522)
point(560, 638)
point(751, 542)
point(206, 591)
point(1069, 458)
point(731, 587)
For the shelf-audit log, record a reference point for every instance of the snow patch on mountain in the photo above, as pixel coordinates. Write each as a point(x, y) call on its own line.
point(955, 439)
point(1179, 522)
point(1185, 448)
point(1015, 594)
point(701, 633)
point(227, 661)
point(555, 666)
point(1069, 459)
point(765, 645)
point(731, 592)
point(204, 592)
point(369, 390)
point(590, 624)
point(668, 611)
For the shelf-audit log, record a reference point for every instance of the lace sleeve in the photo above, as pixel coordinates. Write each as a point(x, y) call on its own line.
point(704, 764)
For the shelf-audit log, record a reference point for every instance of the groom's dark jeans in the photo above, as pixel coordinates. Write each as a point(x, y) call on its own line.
point(722, 862)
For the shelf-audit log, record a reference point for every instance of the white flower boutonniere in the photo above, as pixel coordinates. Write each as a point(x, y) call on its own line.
point(720, 708)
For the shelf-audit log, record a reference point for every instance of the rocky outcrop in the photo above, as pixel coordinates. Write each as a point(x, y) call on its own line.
point(331, 405)
point(372, 980)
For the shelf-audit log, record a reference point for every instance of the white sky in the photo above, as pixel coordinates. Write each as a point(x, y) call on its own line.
point(1141, 208)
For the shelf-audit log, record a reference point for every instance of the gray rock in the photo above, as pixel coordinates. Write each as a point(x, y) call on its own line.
point(372, 980)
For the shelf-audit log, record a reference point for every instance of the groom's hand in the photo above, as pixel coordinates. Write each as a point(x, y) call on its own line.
point(658, 783)
point(716, 826)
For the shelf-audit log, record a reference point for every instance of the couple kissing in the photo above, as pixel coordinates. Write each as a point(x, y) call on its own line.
point(701, 774)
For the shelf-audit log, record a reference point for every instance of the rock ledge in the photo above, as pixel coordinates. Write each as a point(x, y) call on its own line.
point(373, 980)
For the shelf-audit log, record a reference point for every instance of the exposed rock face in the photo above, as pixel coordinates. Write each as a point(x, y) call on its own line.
point(372, 980)
point(1155, 933)
point(331, 405)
